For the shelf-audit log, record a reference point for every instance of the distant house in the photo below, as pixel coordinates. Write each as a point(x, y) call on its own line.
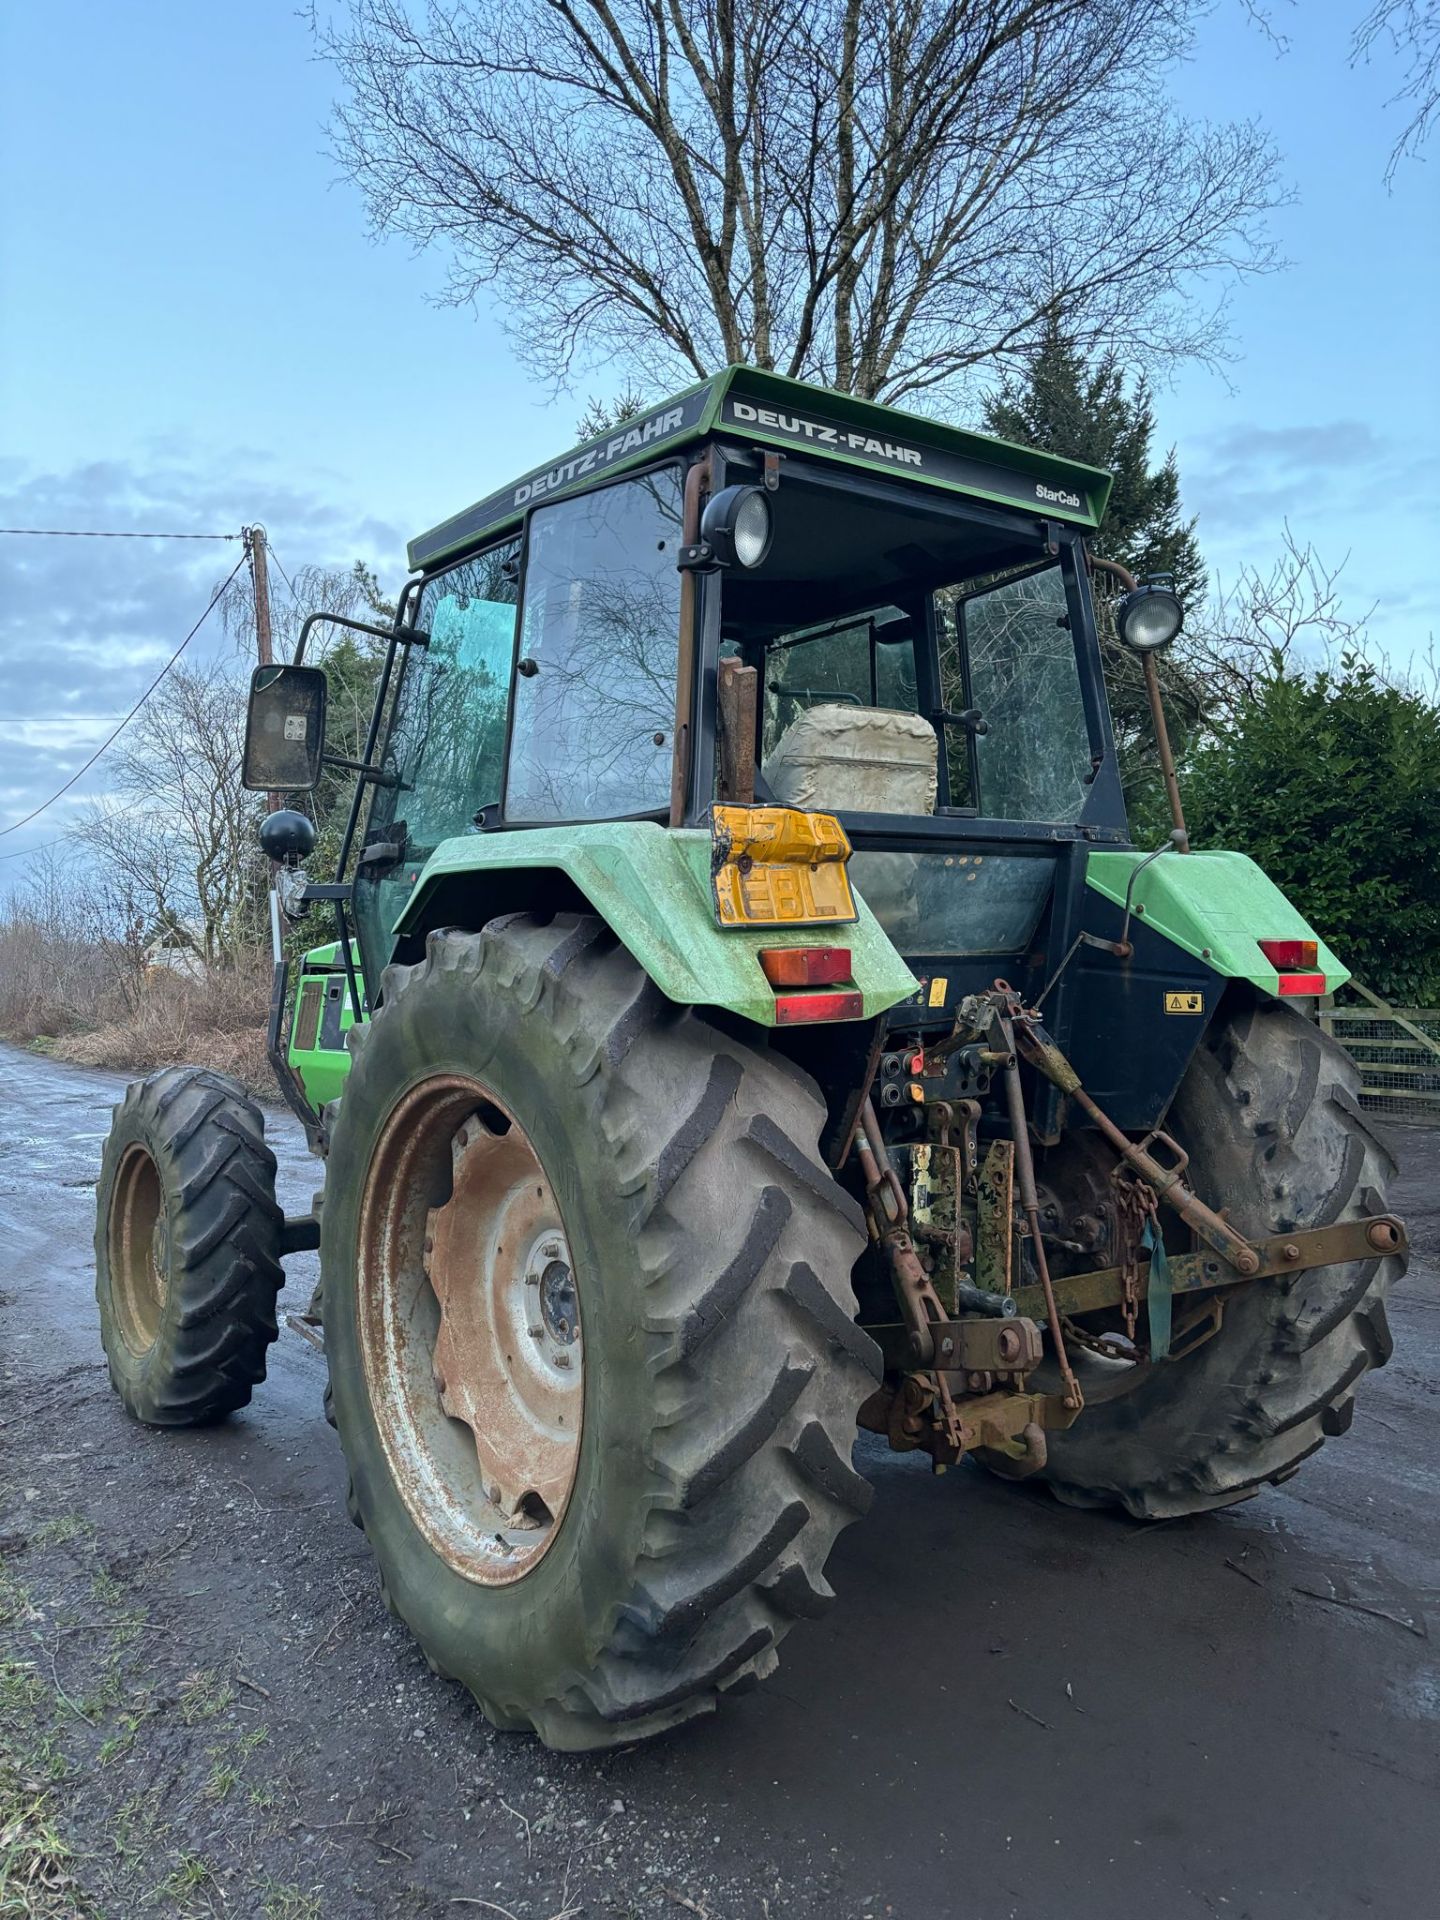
point(176, 953)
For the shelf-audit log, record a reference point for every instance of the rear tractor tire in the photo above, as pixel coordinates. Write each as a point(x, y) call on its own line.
point(1269, 1115)
point(187, 1247)
point(590, 1331)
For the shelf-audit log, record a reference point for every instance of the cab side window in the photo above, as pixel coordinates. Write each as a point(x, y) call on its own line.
point(593, 732)
point(448, 738)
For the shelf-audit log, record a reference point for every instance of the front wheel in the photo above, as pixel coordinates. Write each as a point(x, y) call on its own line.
point(589, 1324)
point(187, 1247)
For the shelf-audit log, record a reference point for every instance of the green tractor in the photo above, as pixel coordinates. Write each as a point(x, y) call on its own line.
point(749, 1017)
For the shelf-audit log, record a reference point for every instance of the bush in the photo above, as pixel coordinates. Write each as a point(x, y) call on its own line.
point(1328, 781)
point(95, 1004)
point(51, 977)
point(216, 1021)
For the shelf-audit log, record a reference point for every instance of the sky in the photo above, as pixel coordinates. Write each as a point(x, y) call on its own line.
point(197, 331)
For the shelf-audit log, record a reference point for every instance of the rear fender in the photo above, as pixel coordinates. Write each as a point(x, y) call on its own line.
point(1215, 906)
point(651, 885)
point(1196, 921)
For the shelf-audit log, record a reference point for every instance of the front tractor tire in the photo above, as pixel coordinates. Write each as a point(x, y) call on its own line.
point(590, 1331)
point(187, 1247)
point(1269, 1115)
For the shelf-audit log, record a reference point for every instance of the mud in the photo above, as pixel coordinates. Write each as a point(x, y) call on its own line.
point(1013, 1710)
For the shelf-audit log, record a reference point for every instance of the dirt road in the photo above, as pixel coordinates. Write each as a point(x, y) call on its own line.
point(1013, 1710)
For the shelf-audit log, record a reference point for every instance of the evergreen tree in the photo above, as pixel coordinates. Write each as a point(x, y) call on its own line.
point(1067, 406)
point(1086, 411)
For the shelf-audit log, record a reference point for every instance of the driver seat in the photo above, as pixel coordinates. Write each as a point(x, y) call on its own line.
point(838, 758)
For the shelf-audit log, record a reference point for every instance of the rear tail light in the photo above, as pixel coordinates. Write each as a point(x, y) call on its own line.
point(805, 966)
point(795, 1009)
point(1294, 961)
point(1288, 956)
point(1302, 983)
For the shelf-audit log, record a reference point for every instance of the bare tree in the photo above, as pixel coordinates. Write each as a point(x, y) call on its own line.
point(1265, 616)
point(1412, 28)
point(57, 956)
point(174, 841)
point(882, 195)
point(351, 591)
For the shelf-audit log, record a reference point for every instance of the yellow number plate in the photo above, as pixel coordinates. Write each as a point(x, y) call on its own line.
point(778, 867)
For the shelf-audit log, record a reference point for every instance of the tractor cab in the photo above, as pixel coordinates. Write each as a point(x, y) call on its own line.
point(795, 603)
point(915, 625)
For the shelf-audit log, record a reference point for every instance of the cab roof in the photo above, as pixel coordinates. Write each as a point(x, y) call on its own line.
point(766, 409)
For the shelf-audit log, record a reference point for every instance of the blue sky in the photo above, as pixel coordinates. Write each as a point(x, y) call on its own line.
point(195, 331)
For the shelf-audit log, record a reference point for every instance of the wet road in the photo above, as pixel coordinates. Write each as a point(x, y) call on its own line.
point(1013, 1709)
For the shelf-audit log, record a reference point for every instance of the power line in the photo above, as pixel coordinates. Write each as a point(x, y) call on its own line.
point(270, 546)
point(15, 825)
point(67, 838)
point(20, 853)
point(99, 533)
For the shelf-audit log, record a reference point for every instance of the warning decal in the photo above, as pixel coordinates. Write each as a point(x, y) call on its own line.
point(1189, 1001)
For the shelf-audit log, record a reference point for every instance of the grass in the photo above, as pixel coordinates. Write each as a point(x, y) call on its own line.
point(289, 1903)
point(228, 1764)
point(36, 1881)
point(23, 1694)
point(224, 1775)
point(15, 1602)
point(66, 1526)
point(105, 1693)
point(202, 1696)
point(106, 1589)
point(137, 1831)
point(116, 1745)
point(79, 1696)
point(185, 1881)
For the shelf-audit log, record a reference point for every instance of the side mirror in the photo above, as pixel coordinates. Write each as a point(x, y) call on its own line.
point(284, 730)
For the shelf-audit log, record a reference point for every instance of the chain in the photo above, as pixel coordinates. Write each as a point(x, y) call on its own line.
point(1100, 1343)
point(1135, 1204)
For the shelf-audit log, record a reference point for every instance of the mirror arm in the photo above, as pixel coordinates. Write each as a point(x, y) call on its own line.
point(405, 636)
point(342, 927)
point(376, 775)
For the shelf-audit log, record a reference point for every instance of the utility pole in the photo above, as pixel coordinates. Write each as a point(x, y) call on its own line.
point(255, 547)
point(264, 645)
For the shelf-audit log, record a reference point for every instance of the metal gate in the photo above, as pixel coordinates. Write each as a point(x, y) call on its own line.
point(1397, 1050)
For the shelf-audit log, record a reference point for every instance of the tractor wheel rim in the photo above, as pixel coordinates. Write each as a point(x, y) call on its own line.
point(470, 1329)
point(139, 1249)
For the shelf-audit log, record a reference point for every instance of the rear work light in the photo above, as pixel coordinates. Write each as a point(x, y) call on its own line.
point(795, 1009)
point(1288, 956)
point(805, 966)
